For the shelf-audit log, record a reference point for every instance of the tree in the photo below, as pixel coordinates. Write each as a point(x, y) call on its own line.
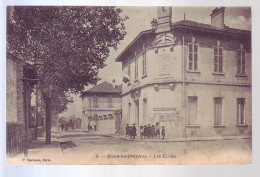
point(73, 42)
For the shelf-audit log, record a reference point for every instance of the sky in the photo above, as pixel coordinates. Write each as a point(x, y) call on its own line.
point(140, 19)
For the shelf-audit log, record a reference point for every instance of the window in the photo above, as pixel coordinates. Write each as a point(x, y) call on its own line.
point(241, 62)
point(136, 68)
point(217, 111)
point(192, 110)
point(241, 111)
point(144, 63)
point(95, 100)
point(110, 101)
point(193, 57)
point(144, 110)
point(218, 59)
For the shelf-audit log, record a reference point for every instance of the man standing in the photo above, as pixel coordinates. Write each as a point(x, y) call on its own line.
point(133, 131)
point(163, 132)
point(157, 129)
point(127, 130)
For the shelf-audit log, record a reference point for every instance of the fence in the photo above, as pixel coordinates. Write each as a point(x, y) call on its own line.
point(14, 138)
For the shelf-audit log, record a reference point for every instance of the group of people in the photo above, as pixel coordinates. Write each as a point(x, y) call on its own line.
point(130, 131)
point(65, 125)
point(146, 132)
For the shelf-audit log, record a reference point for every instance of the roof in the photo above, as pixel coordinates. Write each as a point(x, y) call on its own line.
point(140, 35)
point(190, 25)
point(193, 24)
point(104, 87)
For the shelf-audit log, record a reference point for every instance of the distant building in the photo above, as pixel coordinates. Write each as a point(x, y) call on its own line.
point(193, 78)
point(99, 106)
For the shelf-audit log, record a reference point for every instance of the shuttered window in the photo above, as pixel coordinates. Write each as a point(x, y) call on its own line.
point(95, 100)
point(217, 111)
point(136, 68)
point(144, 63)
point(218, 59)
point(193, 56)
point(241, 62)
point(241, 111)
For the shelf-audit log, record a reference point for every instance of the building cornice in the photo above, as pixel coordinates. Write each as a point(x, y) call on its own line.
point(187, 82)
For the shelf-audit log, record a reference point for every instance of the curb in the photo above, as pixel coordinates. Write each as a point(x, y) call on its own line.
point(181, 140)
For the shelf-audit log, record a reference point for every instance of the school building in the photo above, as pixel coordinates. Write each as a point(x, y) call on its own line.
point(192, 78)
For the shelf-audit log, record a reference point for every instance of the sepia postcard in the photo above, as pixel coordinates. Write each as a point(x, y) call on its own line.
point(105, 85)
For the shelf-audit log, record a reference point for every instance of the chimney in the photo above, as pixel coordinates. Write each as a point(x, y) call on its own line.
point(217, 17)
point(164, 19)
point(154, 24)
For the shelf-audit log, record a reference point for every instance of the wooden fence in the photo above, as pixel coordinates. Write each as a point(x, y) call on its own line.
point(14, 138)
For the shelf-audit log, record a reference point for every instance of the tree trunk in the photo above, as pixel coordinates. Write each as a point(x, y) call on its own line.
point(48, 121)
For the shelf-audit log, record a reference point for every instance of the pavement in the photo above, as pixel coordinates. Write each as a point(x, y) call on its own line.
point(82, 147)
point(172, 139)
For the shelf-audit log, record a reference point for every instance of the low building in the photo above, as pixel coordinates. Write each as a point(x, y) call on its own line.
point(100, 104)
point(192, 78)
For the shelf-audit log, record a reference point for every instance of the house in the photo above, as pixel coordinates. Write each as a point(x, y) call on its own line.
point(101, 107)
point(20, 79)
point(192, 78)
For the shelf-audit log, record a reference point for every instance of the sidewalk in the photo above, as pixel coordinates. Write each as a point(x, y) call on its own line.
point(169, 139)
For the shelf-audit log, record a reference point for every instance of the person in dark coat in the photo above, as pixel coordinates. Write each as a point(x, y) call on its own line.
point(145, 132)
point(153, 132)
point(133, 131)
point(130, 132)
point(127, 130)
point(157, 130)
point(163, 132)
point(149, 131)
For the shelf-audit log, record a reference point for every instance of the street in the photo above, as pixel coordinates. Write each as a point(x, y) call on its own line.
point(81, 147)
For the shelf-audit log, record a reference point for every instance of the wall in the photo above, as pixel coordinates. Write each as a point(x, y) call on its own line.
point(205, 110)
point(14, 90)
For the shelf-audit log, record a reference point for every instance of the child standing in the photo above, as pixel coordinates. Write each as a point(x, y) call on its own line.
point(163, 132)
point(142, 131)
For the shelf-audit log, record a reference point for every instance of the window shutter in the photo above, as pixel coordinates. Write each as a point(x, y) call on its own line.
point(215, 63)
point(243, 62)
point(195, 61)
point(238, 61)
point(220, 51)
point(215, 51)
point(190, 61)
point(220, 64)
point(196, 48)
point(190, 48)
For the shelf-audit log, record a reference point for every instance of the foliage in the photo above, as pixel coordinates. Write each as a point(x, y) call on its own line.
point(74, 42)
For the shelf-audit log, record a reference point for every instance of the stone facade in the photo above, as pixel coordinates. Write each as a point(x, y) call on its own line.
point(99, 106)
point(194, 79)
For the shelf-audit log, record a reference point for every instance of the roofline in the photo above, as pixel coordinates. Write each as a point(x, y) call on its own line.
point(175, 26)
point(243, 32)
point(135, 39)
